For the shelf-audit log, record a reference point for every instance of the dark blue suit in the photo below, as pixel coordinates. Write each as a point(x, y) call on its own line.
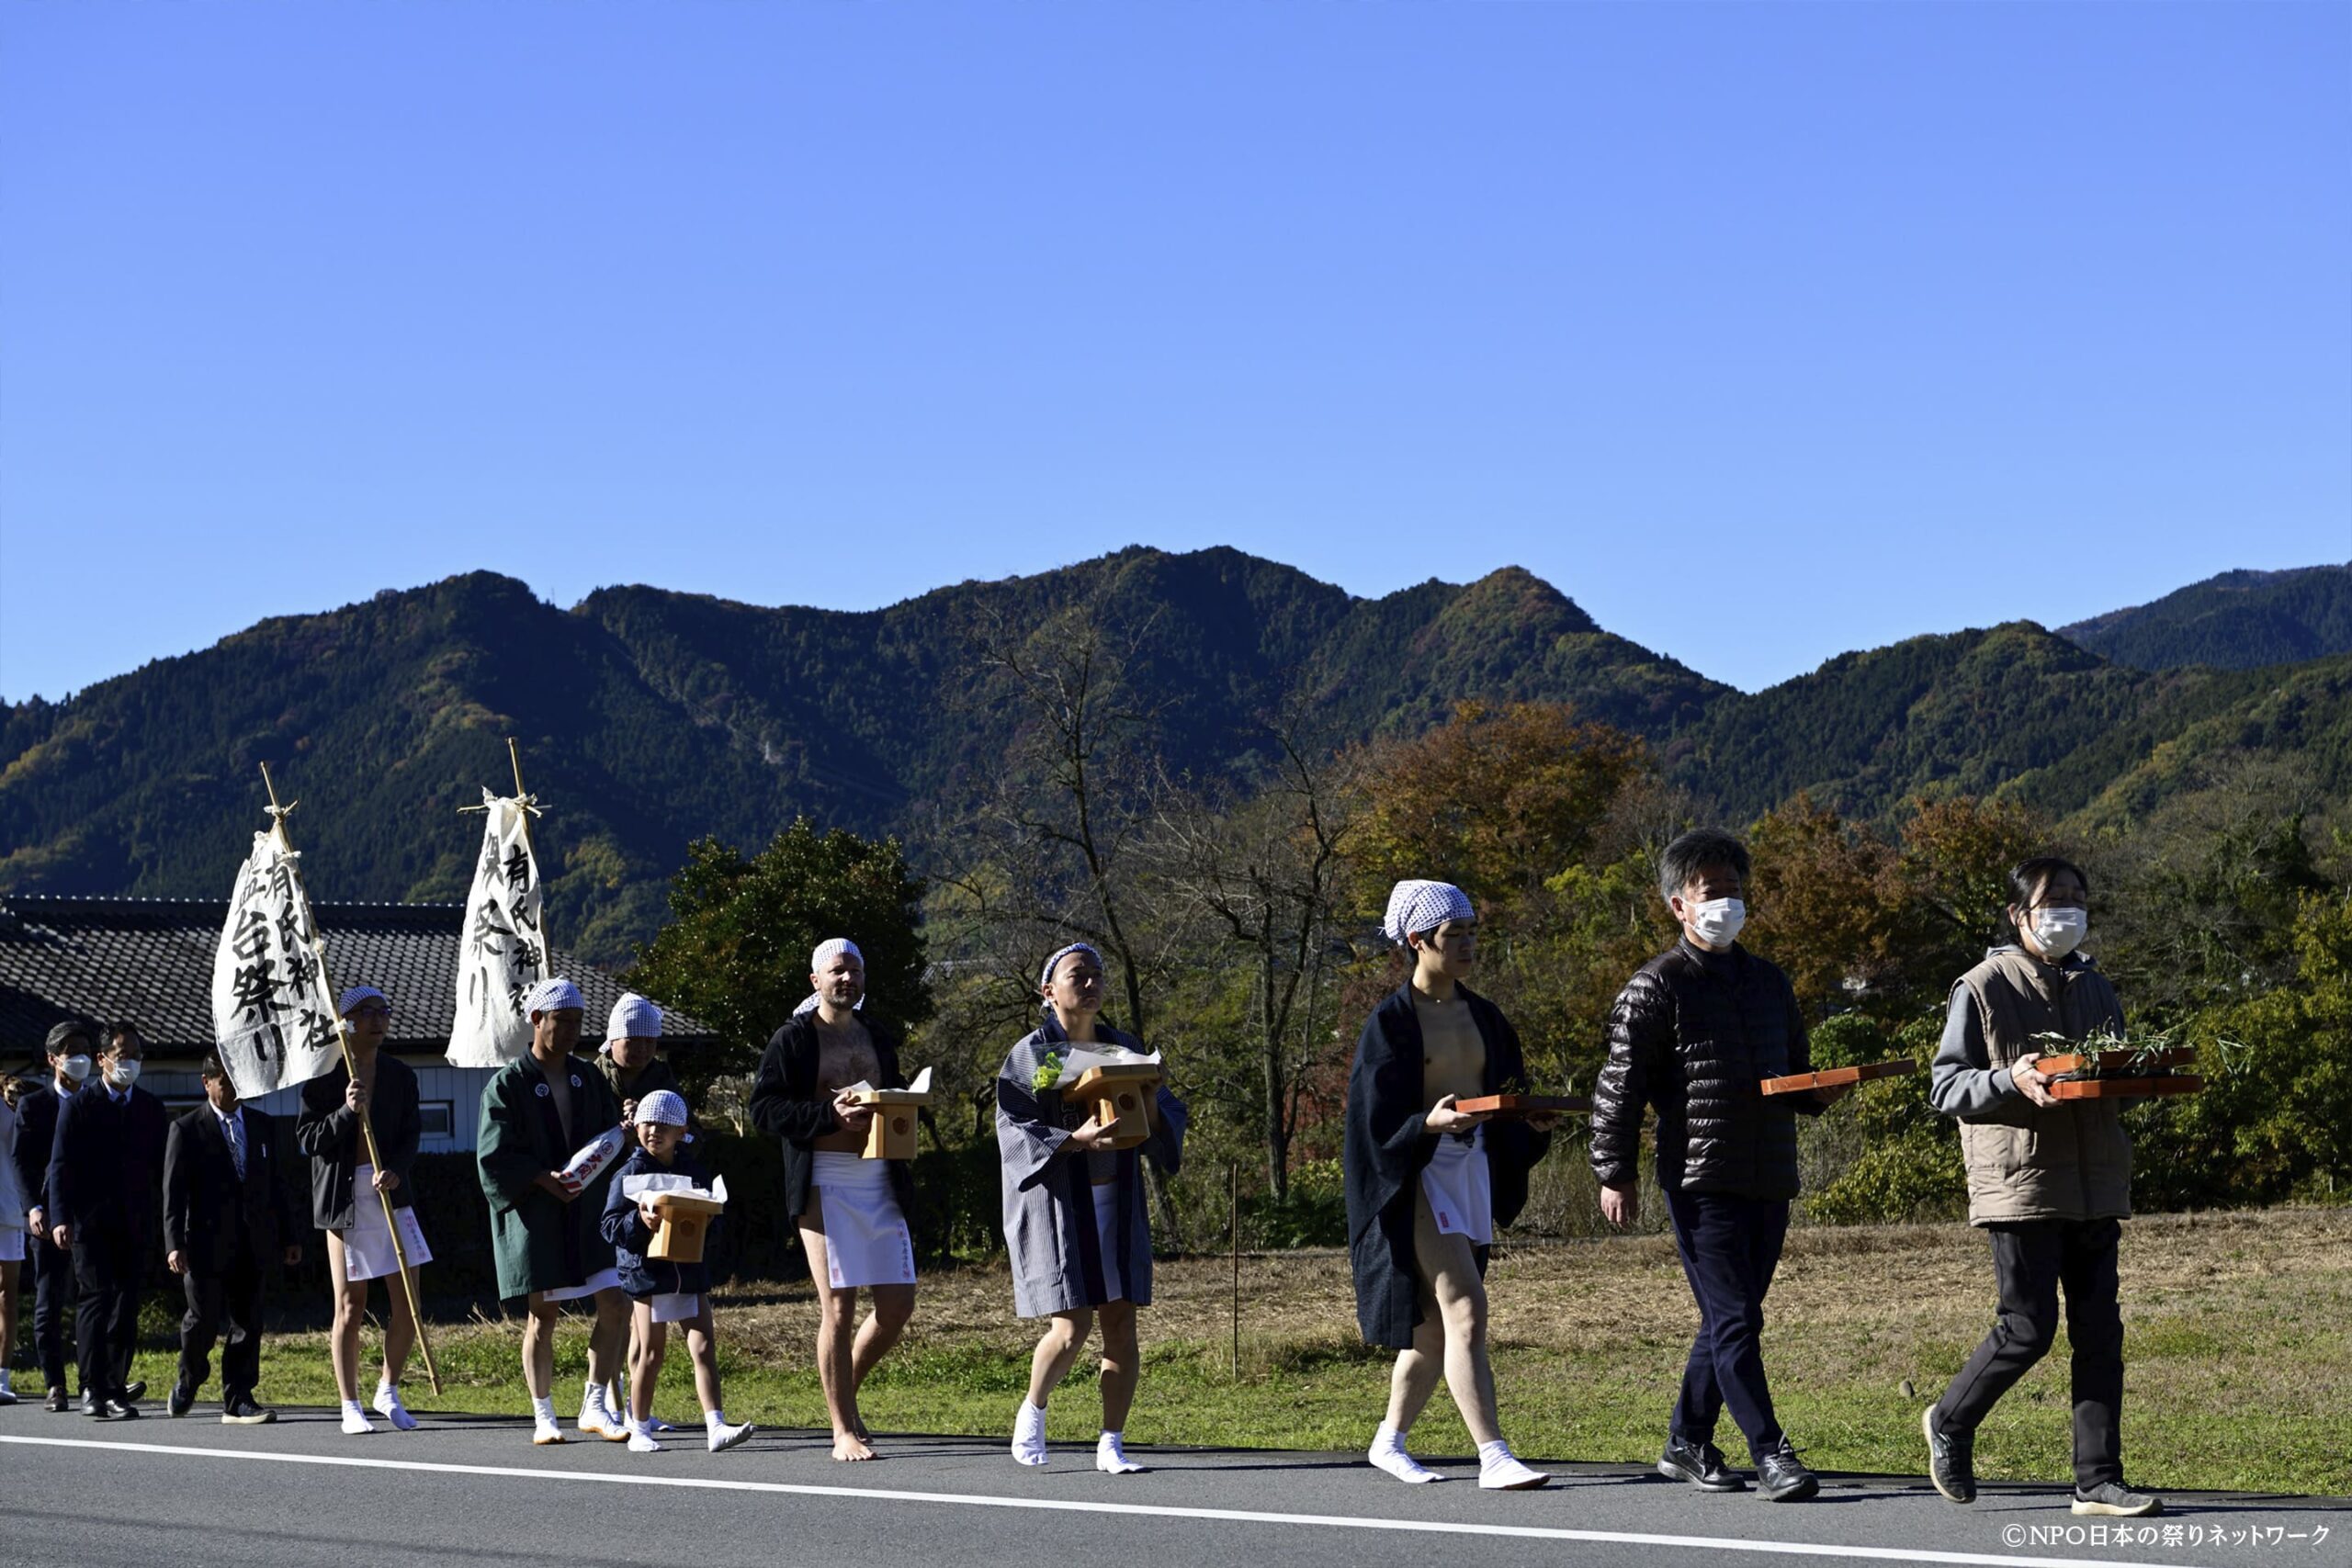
point(51, 1266)
point(105, 1175)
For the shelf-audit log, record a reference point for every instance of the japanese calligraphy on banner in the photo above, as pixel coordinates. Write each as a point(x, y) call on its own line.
point(504, 951)
point(271, 1015)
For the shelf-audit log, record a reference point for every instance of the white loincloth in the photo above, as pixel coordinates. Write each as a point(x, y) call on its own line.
point(674, 1306)
point(602, 1280)
point(1460, 1188)
point(367, 1245)
point(1106, 1236)
point(866, 1241)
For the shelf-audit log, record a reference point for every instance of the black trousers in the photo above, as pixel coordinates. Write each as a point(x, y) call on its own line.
point(1730, 1246)
point(110, 1264)
point(2032, 1261)
point(223, 1304)
point(53, 1272)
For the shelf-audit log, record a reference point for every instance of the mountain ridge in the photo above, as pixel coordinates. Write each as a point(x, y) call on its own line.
point(649, 716)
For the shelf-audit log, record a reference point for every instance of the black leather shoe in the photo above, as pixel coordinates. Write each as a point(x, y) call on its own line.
point(101, 1409)
point(133, 1395)
point(182, 1400)
point(1701, 1465)
point(58, 1403)
point(1951, 1459)
point(1782, 1477)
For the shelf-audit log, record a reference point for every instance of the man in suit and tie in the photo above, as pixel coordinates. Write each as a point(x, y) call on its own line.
point(51, 1265)
point(104, 1171)
point(226, 1209)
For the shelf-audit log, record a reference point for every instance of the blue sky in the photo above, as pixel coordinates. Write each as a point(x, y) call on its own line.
point(1764, 332)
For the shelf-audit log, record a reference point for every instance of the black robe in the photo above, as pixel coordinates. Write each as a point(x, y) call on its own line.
point(1388, 1145)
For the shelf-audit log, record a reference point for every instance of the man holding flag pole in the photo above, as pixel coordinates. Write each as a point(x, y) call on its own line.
point(277, 1024)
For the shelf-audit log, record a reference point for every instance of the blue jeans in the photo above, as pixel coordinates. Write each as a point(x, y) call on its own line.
point(1730, 1246)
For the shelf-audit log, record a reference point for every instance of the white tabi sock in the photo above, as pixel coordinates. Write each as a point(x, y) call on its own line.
point(591, 1400)
point(1029, 1434)
point(1387, 1452)
point(1111, 1455)
point(1500, 1471)
point(543, 1409)
point(354, 1419)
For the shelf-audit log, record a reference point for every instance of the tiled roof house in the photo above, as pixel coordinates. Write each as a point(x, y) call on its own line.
point(149, 961)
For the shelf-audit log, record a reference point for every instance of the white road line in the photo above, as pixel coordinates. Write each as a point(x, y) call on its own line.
point(1219, 1515)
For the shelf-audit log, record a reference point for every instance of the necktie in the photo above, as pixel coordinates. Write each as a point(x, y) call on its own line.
point(236, 1143)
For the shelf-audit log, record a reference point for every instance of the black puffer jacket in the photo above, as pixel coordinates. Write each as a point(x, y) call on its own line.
point(1692, 1034)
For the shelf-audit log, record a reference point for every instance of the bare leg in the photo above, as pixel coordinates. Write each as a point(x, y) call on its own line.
point(893, 1306)
point(539, 1345)
point(399, 1332)
point(350, 1308)
point(1451, 1268)
point(836, 1339)
point(703, 1347)
point(1450, 1336)
point(608, 1337)
point(1065, 1332)
point(1122, 1363)
point(648, 1344)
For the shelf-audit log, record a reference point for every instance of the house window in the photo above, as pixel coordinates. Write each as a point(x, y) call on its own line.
point(438, 1118)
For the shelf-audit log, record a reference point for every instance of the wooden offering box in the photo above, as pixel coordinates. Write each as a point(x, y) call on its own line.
point(891, 1134)
point(2087, 1063)
point(1119, 1090)
point(685, 1222)
point(2102, 1074)
point(1830, 1078)
point(1525, 1104)
point(2127, 1089)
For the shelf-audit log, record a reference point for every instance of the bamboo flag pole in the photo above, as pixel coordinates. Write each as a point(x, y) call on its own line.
point(523, 801)
point(367, 1126)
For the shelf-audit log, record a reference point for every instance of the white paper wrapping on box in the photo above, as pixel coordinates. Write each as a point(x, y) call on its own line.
point(1080, 1060)
point(921, 1086)
point(655, 1182)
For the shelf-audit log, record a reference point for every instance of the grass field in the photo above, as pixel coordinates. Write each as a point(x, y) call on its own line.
point(2239, 1343)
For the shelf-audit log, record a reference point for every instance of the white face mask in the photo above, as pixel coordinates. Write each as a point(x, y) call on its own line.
point(1717, 921)
point(123, 1074)
point(75, 1068)
point(2059, 931)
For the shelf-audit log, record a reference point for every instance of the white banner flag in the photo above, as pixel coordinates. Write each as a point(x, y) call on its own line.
point(503, 953)
point(271, 1015)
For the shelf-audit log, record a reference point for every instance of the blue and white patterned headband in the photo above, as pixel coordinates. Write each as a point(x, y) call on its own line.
point(1045, 976)
point(1423, 906)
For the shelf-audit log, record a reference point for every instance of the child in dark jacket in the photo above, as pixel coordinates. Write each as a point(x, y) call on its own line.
point(665, 1292)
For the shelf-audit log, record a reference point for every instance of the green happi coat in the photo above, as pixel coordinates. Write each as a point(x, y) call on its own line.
point(542, 1244)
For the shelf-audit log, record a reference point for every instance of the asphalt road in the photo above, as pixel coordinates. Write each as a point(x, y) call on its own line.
point(462, 1491)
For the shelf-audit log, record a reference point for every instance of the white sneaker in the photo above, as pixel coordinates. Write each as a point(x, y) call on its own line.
point(722, 1436)
point(1111, 1455)
point(389, 1405)
point(641, 1441)
point(1499, 1471)
point(598, 1422)
point(1387, 1452)
point(546, 1430)
point(1029, 1434)
point(355, 1422)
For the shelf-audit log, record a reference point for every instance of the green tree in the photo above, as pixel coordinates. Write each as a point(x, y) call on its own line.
point(735, 953)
